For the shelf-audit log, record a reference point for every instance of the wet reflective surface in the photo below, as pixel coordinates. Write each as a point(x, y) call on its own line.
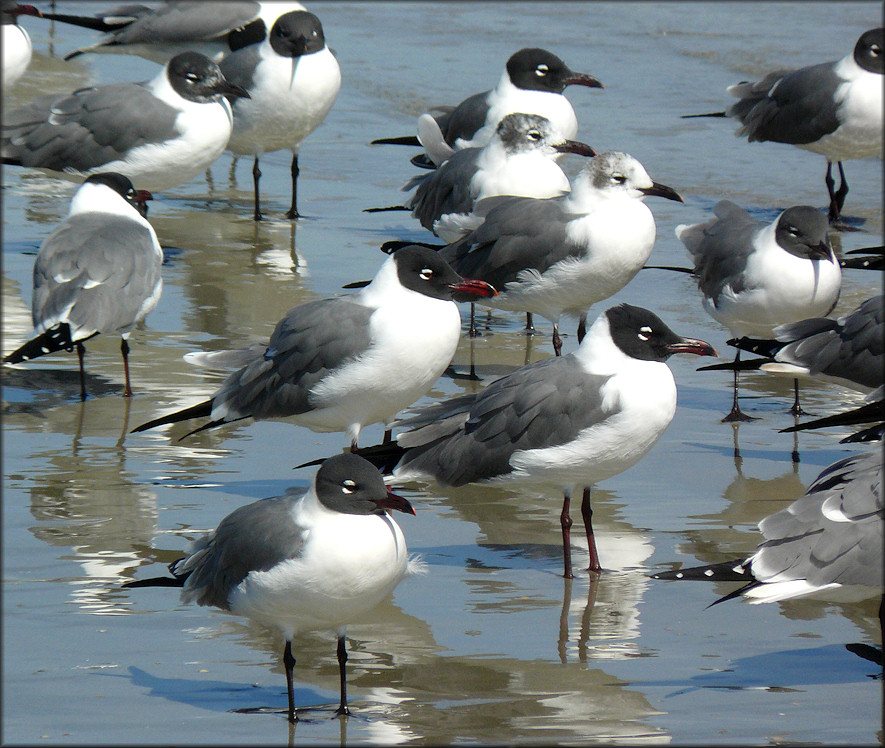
point(492, 645)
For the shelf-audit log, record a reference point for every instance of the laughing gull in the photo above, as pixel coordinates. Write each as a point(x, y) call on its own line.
point(298, 563)
point(833, 108)
point(755, 276)
point(158, 34)
point(159, 133)
point(339, 364)
point(560, 255)
point(533, 81)
point(17, 47)
point(827, 543)
point(561, 423)
point(518, 160)
point(293, 79)
point(98, 272)
point(847, 350)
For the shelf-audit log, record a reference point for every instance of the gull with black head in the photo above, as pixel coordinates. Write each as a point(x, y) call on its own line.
point(755, 275)
point(98, 272)
point(533, 81)
point(563, 254)
point(158, 34)
point(159, 133)
point(343, 363)
point(562, 423)
point(293, 79)
point(298, 563)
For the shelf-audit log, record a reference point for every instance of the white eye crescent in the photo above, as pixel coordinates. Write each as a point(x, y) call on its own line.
point(426, 274)
point(645, 332)
point(542, 70)
point(349, 486)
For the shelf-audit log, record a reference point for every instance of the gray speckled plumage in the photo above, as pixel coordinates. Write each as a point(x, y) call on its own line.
point(472, 438)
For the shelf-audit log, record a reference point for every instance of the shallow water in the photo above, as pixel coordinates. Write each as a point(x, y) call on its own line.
point(492, 645)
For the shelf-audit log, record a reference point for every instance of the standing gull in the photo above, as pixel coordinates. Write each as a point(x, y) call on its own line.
point(562, 423)
point(755, 276)
point(98, 272)
point(560, 255)
point(159, 133)
point(302, 563)
point(833, 108)
point(343, 363)
point(293, 79)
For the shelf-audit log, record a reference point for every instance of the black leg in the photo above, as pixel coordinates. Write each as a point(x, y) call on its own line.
point(124, 350)
point(557, 341)
point(293, 209)
point(256, 176)
point(473, 333)
point(81, 352)
point(842, 191)
point(342, 673)
point(736, 414)
point(582, 327)
point(587, 514)
point(796, 409)
point(289, 665)
point(529, 323)
point(566, 522)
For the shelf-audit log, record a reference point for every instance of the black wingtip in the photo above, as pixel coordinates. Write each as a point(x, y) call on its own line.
point(201, 410)
point(155, 582)
point(750, 365)
point(399, 140)
point(388, 208)
point(55, 339)
point(706, 114)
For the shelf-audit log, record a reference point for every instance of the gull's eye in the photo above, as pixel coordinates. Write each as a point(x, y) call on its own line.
point(192, 77)
point(619, 178)
point(875, 50)
point(644, 332)
point(534, 134)
point(542, 70)
point(426, 274)
point(131, 195)
point(349, 486)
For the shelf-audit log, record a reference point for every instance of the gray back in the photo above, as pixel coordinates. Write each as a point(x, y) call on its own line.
point(544, 404)
point(255, 537)
point(311, 341)
point(518, 233)
point(804, 543)
point(88, 128)
point(799, 110)
point(112, 252)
